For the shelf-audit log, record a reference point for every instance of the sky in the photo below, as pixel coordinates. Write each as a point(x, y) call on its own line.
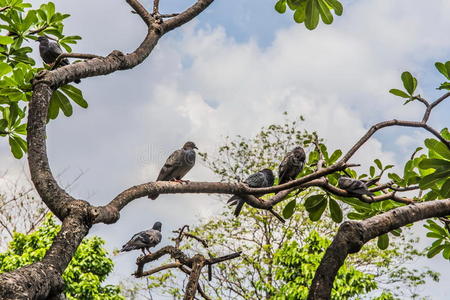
point(234, 69)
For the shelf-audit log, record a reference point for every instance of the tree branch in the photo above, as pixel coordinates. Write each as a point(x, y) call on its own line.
point(72, 55)
point(352, 235)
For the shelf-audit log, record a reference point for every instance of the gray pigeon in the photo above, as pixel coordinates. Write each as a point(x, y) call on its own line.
point(144, 239)
point(50, 50)
point(291, 165)
point(177, 165)
point(354, 186)
point(263, 178)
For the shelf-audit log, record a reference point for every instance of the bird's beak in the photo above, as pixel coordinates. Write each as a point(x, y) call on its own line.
point(195, 147)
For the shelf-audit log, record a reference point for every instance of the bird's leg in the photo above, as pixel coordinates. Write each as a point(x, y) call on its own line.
point(180, 180)
point(148, 250)
point(143, 251)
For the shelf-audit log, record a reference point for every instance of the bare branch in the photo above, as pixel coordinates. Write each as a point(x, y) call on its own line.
point(161, 268)
point(187, 15)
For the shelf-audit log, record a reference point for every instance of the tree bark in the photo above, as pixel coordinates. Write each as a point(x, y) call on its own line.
point(352, 235)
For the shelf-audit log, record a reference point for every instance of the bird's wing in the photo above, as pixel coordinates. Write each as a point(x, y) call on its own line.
point(138, 240)
point(54, 47)
point(153, 237)
point(282, 169)
point(256, 180)
point(171, 164)
point(354, 186)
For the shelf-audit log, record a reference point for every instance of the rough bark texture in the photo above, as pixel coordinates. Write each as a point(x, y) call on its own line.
point(198, 261)
point(352, 235)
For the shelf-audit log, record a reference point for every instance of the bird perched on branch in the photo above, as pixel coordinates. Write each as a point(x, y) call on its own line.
point(50, 50)
point(263, 178)
point(354, 186)
point(291, 165)
point(144, 239)
point(177, 165)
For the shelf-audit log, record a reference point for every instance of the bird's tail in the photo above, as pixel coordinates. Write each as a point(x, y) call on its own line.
point(153, 196)
point(238, 201)
point(126, 248)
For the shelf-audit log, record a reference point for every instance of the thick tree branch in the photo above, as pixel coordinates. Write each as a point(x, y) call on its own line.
point(72, 55)
point(352, 235)
point(43, 279)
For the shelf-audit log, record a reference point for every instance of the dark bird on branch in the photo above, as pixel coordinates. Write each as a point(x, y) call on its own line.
point(291, 165)
point(50, 50)
point(144, 239)
point(354, 186)
point(263, 178)
point(177, 165)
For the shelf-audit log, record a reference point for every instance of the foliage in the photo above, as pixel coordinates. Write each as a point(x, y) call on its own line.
point(431, 170)
point(271, 252)
point(20, 27)
point(311, 11)
point(295, 267)
point(87, 270)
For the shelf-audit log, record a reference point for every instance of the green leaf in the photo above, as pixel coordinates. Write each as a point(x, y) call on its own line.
point(316, 212)
point(335, 156)
point(280, 6)
point(15, 148)
point(446, 252)
point(430, 180)
point(434, 163)
point(335, 211)
point(445, 189)
point(378, 163)
point(312, 14)
point(337, 6)
point(409, 82)
point(438, 147)
point(5, 68)
point(442, 69)
point(434, 250)
point(6, 40)
point(313, 201)
point(300, 13)
point(75, 94)
point(324, 11)
point(445, 133)
point(288, 210)
point(399, 93)
point(383, 241)
point(63, 103)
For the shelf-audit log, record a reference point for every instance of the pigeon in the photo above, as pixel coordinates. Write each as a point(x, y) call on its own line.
point(50, 50)
point(144, 239)
point(177, 165)
point(263, 178)
point(354, 186)
point(291, 165)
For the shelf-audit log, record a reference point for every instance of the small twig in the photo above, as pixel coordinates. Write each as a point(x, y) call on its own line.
point(161, 268)
point(4, 8)
point(280, 218)
point(217, 260)
point(202, 241)
point(38, 29)
point(155, 7)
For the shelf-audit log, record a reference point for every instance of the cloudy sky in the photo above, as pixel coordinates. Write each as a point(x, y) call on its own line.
point(232, 70)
